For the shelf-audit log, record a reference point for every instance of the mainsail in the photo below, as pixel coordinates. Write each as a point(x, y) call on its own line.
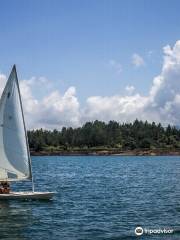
point(15, 163)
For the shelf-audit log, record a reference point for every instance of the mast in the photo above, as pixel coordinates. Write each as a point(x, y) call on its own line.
point(26, 137)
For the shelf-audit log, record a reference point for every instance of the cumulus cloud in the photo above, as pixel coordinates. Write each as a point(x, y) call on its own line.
point(62, 110)
point(137, 60)
point(162, 104)
point(56, 109)
point(117, 108)
point(52, 111)
point(165, 91)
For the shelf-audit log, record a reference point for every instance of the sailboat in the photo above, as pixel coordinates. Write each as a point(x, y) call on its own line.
point(15, 160)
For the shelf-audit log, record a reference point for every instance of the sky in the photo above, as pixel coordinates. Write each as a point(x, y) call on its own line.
point(81, 60)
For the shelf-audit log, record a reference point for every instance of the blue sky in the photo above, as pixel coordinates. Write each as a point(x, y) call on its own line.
point(75, 42)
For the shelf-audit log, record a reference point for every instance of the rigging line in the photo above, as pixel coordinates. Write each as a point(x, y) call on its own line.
point(26, 137)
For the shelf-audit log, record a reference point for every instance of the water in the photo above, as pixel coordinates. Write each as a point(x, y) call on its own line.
point(97, 198)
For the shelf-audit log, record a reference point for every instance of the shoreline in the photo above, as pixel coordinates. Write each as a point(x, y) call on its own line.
point(109, 153)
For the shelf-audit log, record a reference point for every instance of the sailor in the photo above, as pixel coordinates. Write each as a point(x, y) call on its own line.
point(5, 187)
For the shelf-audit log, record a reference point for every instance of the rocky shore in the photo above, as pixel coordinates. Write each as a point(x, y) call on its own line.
point(157, 152)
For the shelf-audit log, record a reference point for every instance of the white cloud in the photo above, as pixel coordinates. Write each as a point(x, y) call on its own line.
point(165, 91)
point(129, 89)
point(60, 110)
point(162, 104)
point(137, 60)
point(114, 107)
point(54, 110)
point(51, 111)
point(115, 65)
point(3, 80)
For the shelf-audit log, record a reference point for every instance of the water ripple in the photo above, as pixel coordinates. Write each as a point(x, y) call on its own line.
point(97, 198)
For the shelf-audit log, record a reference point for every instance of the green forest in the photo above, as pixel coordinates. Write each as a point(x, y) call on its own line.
point(101, 136)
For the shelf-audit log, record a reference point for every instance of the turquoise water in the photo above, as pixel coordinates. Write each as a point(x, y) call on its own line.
point(97, 198)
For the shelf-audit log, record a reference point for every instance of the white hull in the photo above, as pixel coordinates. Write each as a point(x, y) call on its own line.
point(27, 195)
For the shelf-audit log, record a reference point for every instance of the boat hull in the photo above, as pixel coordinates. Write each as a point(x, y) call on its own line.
point(27, 195)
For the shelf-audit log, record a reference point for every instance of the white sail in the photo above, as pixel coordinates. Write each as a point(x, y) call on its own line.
point(15, 161)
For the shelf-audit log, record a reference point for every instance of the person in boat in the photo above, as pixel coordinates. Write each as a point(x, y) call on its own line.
point(5, 188)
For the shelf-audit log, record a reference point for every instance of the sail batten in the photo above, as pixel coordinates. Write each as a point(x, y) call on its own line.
point(14, 151)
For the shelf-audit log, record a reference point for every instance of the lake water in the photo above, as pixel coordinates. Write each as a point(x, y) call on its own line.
point(97, 198)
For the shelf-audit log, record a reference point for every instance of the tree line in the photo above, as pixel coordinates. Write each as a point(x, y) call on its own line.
point(98, 134)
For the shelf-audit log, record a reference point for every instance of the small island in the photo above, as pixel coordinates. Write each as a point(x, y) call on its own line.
point(99, 138)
